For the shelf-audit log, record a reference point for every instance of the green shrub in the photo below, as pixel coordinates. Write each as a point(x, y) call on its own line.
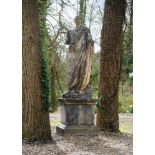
point(125, 104)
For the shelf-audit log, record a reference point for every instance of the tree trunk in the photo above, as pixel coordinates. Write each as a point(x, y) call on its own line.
point(82, 9)
point(36, 124)
point(110, 64)
point(54, 102)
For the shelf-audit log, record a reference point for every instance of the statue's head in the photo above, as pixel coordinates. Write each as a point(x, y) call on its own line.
point(78, 20)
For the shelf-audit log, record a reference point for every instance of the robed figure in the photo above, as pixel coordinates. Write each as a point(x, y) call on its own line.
point(81, 49)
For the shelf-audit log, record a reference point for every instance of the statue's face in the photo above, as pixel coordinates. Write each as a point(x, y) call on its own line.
point(78, 21)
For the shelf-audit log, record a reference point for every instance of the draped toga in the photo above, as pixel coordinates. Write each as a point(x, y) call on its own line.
point(81, 49)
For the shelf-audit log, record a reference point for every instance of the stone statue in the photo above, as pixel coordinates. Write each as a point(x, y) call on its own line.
point(81, 49)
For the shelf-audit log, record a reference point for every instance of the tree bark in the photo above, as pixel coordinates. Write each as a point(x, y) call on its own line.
point(110, 64)
point(36, 124)
point(54, 102)
point(82, 9)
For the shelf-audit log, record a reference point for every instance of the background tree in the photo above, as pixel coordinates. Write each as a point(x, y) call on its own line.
point(53, 61)
point(126, 80)
point(110, 64)
point(82, 9)
point(35, 120)
point(127, 63)
point(54, 43)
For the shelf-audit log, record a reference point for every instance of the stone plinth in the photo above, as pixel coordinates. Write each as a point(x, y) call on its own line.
point(77, 116)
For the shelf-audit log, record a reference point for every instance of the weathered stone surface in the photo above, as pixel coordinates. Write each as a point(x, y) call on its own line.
point(77, 130)
point(77, 101)
point(78, 94)
point(76, 114)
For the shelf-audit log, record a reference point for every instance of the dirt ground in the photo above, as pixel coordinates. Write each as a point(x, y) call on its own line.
point(102, 144)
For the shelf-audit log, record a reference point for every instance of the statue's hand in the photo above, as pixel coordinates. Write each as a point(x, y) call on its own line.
point(71, 48)
point(90, 42)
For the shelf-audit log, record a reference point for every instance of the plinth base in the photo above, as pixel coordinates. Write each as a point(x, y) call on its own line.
point(77, 130)
point(77, 117)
